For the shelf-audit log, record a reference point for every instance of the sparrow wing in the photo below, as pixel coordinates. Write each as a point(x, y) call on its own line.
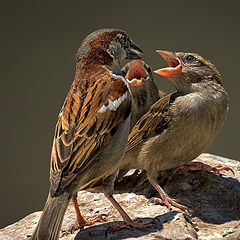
point(91, 114)
point(152, 123)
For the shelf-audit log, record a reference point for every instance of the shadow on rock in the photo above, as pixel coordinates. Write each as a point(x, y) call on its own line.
point(103, 231)
point(212, 198)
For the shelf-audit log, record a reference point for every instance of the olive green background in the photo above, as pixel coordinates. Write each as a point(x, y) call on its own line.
point(38, 45)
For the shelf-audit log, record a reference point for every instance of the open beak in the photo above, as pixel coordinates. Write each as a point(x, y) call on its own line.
point(173, 62)
point(134, 52)
point(136, 73)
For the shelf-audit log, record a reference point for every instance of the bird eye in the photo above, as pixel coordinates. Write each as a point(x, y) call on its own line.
point(123, 73)
point(190, 58)
point(148, 68)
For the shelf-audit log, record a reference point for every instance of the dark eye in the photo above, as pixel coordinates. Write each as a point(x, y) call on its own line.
point(123, 73)
point(190, 58)
point(149, 69)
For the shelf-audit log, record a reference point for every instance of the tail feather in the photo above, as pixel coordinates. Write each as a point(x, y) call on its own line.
point(50, 222)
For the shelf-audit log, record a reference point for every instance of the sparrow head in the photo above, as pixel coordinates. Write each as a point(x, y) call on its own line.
point(137, 73)
point(107, 47)
point(187, 71)
point(143, 88)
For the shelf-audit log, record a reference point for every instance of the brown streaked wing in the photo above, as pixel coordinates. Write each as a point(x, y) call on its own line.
point(82, 131)
point(150, 124)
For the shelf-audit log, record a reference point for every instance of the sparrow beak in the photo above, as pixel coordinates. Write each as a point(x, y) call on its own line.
point(136, 74)
point(134, 52)
point(173, 62)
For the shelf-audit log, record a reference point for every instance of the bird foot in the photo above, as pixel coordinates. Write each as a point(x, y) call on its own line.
point(221, 168)
point(203, 167)
point(131, 224)
point(170, 202)
point(88, 222)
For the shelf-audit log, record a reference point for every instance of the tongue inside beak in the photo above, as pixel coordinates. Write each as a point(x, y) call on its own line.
point(137, 73)
point(174, 64)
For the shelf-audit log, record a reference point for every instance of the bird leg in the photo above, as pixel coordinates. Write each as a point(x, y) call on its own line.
point(128, 222)
point(204, 167)
point(82, 222)
point(165, 199)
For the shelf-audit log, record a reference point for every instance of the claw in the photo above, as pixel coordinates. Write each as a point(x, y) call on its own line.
point(170, 202)
point(88, 222)
point(165, 199)
point(203, 167)
point(221, 168)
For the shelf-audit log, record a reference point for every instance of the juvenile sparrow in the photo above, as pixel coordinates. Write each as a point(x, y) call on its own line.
point(92, 128)
point(181, 125)
point(144, 89)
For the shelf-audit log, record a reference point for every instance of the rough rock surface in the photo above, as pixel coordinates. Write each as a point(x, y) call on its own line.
point(213, 201)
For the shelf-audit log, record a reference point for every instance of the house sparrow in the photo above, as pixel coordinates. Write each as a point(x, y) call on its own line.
point(143, 88)
point(92, 128)
point(181, 125)
point(144, 94)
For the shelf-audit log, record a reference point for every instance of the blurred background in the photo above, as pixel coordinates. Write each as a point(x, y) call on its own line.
point(38, 45)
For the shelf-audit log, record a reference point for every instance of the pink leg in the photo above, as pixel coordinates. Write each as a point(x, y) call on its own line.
point(128, 222)
point(165, 199)
point(82, 222)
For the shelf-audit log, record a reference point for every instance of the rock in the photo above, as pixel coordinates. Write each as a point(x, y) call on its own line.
point(213, 201)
